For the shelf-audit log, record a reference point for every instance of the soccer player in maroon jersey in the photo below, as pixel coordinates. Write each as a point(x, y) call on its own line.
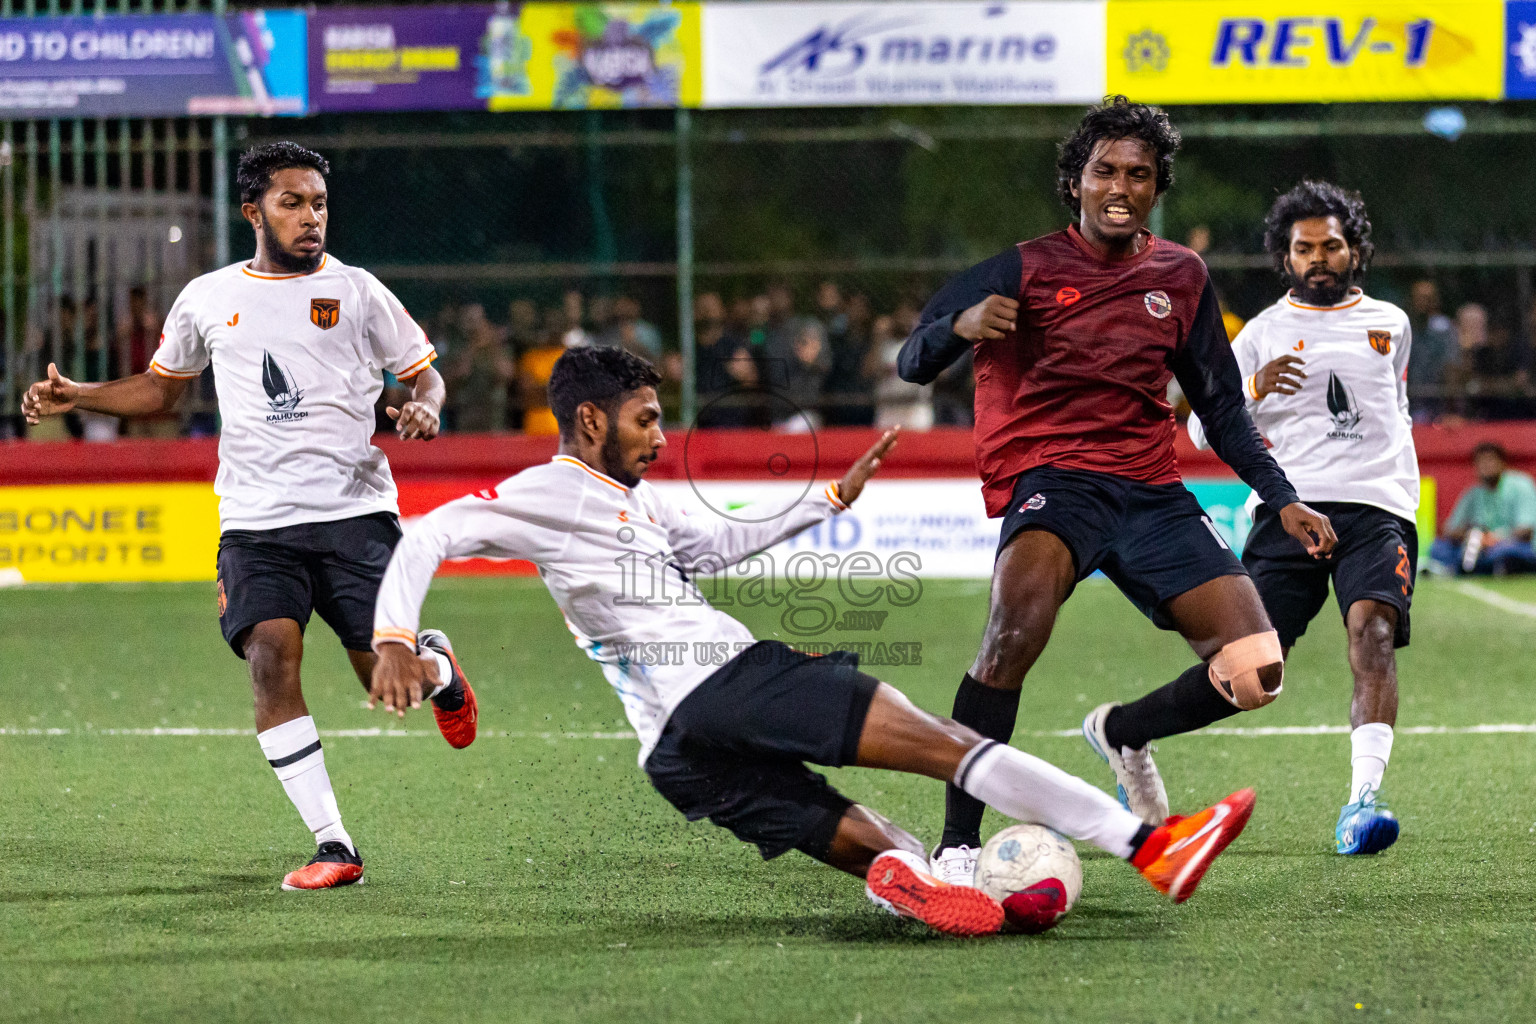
point(1076, 335)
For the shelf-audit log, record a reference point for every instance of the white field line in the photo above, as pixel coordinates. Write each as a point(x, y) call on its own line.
point(1258, 732)
point(1498, 600)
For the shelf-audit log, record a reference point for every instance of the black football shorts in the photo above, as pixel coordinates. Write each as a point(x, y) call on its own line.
point(331, 568)
point(1377, 558)
point(734, 750)
point(1153, 541)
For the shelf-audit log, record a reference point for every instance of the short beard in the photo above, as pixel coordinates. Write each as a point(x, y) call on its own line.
point(613, 457)
point(285, 260)
point(1324, 295)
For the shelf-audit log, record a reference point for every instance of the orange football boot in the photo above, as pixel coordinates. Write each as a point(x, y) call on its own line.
point(333, 865)
point(1175, 856)
point(457, 725)
point(902, 880)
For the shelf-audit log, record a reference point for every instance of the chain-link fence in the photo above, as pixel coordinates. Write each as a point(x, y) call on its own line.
point(815, 235)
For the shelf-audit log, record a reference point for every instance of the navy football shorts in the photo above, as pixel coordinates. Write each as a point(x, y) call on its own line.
point(1376, 559)
point(734, 750)
point(1153, 541)
point(332, 568)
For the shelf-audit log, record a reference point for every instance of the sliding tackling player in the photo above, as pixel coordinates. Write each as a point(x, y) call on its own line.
point(1076, 336)
point(1324, 370)
point(299, 344)
point(726, 724)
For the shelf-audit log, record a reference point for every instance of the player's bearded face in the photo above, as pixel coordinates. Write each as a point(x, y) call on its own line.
point(293, 219)
point(634, 439)
point(1320, 263)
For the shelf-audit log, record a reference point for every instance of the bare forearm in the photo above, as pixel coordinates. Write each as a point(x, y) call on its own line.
point(427, 388)
point(143, 394)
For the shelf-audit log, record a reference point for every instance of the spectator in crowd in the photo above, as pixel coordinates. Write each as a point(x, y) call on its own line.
point(444, 330)
point(478, 375)
point(726, 373)
point(522, 325)
point(852, 390)
point(779, 335)
point(1490, 529)
point(1434, 345)
point(832, 312)
point(573, 330)
point(898, 403)
point(631, 331)
point(533, 370)
point(809, 363)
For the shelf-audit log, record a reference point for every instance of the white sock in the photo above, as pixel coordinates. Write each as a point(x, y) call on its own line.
point(444, 670)
point(1370, 747)
point(1024, 787)
point(293, 751)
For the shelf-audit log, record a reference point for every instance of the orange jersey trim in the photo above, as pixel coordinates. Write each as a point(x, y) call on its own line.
point(1359, 297)
point(610, 481)
point(416, 367)
point(163, 372)
point(248, 272)
point(394, 635)
point(837, 502)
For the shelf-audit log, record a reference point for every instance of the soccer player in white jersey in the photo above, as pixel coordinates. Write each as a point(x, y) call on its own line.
point(1324, 371)
point(299, 344)
point(727, 723)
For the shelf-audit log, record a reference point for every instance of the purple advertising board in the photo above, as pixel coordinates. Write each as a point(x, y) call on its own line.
point(153, 65)
point(404, 58)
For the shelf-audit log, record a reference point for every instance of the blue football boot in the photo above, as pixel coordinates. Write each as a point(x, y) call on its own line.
point(1365, 826)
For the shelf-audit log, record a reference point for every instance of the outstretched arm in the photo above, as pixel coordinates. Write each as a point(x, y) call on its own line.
point(422, 415)
point(980, 304)
point(491, 524)
point(143, 394)
point(709, 543)
point(1207, 371)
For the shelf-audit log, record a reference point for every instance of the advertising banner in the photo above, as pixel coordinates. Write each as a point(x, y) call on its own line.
point(857, 54)
point(539, 56)
point(157, 65)
point(1520, 50)
point(1305, 51)
point(109, 533)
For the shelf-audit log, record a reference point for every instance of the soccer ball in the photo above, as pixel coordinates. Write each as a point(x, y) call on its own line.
point(1034, 873)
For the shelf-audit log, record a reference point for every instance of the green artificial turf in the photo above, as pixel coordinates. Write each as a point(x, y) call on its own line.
point(539, 878)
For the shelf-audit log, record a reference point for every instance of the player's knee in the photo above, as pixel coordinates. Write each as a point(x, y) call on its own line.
point(1373, 633)
point(1249, 672)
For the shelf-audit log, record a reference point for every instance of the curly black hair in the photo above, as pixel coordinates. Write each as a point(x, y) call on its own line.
point(1116, 118)
point(599, 374)
point(1312, 199)
point(253, 176)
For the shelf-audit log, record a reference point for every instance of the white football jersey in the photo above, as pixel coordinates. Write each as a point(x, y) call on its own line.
point(1346, 435)
point(299, 362)
point(619, 561)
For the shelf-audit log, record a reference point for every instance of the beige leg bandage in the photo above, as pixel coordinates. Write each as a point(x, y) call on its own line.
point(1235, 670)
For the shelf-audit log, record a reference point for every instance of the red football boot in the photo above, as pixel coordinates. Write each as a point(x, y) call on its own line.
point(454, 708)
point(901, 880)
point(333, 865)
point(1175, 857)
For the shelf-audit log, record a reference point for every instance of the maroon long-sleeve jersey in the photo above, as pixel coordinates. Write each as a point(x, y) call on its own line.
point(1082, 382)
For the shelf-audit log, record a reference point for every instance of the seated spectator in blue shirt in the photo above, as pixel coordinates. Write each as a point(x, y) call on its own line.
point(1490, 529)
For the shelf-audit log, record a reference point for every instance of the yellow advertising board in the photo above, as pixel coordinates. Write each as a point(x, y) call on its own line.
point(608, 55)
point(1305, 51)
point(109, 533)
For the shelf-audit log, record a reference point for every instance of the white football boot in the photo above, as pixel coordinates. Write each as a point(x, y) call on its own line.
point(1140, 788)
point(954, 865)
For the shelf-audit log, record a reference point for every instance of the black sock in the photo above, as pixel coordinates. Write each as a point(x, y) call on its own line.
point(1139, 840)
point(991, 712)
point(1188, 703)
point(452, 697)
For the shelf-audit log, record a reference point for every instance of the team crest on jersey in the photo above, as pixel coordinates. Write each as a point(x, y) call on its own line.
point(283, 395)
point(324, 313)
point(1158, 304)
point(1034, 504)
point(1381, 341)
